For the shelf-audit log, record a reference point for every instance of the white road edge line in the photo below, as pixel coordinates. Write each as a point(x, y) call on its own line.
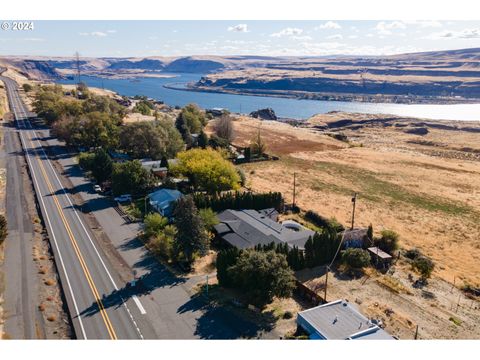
point(139, 304)
point(83, 227)
point(49, 224)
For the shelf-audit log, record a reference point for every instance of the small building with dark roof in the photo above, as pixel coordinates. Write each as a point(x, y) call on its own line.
point(339, 320)
point(355, 238)
point(246, 229)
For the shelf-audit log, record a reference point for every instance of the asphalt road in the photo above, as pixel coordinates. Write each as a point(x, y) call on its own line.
point(100, 304)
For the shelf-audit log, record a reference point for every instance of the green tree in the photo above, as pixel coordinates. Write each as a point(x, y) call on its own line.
point(191, 118)
point(202, 140)
point(225, 259)
point(130, 178)
point(154, 224)
point(162, 243)
point(192, 237)
point(3, 228)
point(209, 218)
point(356, 258)
point(102, 166)
point(27, 87)
point(85, 160)
point(388, 241)
point(207, 170)
point(262, 275)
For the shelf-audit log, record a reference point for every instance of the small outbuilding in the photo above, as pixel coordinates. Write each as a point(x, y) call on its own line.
point(355, 238)
point(380, 257)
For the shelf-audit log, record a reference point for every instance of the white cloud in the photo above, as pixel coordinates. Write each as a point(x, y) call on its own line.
point(463, 34)
point(329, 25)
point(385, 28)
point(288, 32)
point(34, 39)
point(424, 23)
point(111, 31)
point(353, 36)
point(335, 37)
point(239, 28)
point(94, 33)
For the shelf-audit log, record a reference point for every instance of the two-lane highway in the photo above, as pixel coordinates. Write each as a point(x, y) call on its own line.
point(100, 305)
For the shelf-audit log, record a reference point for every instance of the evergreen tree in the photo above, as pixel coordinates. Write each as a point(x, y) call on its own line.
point(164, 162)
point(192, 237)
point(102, 166)
point(226, 259)
point(202, 140)
point(309, 253)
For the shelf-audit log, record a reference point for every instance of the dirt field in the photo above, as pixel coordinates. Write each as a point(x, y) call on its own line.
point(428, 194)
point(440, 310)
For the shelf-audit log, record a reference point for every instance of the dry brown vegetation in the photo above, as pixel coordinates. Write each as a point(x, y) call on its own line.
point(428, 194)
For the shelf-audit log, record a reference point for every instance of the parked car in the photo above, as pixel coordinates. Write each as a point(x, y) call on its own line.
point(123, 198)
point(97, 188)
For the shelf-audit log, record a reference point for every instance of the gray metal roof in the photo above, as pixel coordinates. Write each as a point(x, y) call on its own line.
point(339, 320)
point(380, 253)
point(247, 228)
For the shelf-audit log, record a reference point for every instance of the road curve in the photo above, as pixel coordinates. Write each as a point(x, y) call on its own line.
point(98, 301)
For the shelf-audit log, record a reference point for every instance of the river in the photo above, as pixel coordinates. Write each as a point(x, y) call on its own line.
point(283, 107)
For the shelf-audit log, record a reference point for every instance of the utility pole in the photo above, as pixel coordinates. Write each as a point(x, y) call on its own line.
point(354, 201)
point(294, 187)
point(416, 333)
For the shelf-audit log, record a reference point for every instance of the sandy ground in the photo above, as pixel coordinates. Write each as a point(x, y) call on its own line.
point(392, 299)
point(430, 198)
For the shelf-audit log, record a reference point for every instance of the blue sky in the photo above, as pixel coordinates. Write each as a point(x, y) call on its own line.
point(178, 38)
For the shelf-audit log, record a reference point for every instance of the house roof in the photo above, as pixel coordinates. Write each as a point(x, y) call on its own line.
point(248, 228)
point(340, 320)
point(354, 234)
point(162, 198)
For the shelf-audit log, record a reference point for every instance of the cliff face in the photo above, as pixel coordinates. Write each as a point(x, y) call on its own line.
point(191, 65)
point(333, 85)
point(449, 74)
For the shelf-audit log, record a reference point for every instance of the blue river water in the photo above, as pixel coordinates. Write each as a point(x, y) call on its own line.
point(283, 107)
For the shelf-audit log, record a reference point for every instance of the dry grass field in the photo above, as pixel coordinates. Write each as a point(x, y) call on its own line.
point(426, 188)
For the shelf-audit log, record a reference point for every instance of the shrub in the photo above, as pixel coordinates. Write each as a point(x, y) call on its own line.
point(209, 218)
point(424, 266)
point(388, 242)
point(356, 258)
point(412, 254)
point(225, 259)
point(262, 275)
point(288, 315)
point(323, 222)
point(154, 224)
point(239, 200)
point(162, 243)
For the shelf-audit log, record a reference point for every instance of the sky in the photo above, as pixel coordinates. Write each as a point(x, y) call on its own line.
point(273, 38)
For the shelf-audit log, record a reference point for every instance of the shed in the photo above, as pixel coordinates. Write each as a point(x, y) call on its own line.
point(355, 238)
point(380, 256)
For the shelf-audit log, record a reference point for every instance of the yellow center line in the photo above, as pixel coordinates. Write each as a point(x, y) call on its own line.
point(88, 276)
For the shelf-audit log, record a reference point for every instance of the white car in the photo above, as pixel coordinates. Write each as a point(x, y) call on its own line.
point(97, 188)
point(123, 198)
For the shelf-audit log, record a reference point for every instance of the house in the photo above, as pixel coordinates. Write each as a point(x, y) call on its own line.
point(163, 200)
point(246, 229)
point(118, 157)
point(154, 166)
point(355, 238)
point(216, 111)
point(339, 320)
